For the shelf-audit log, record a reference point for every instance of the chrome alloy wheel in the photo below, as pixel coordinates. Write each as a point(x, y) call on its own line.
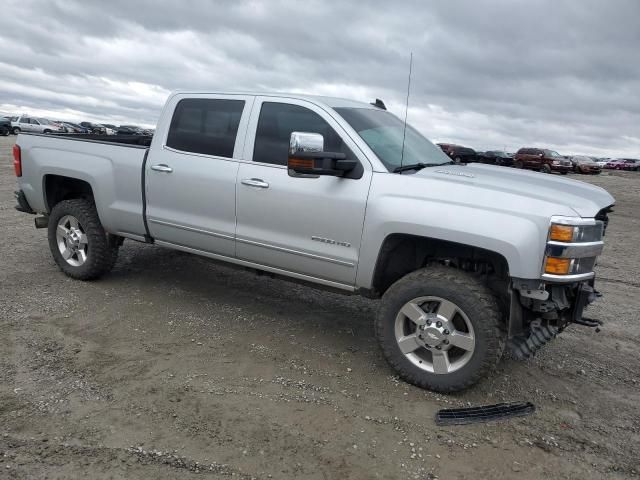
point(435, 334)
point(72, 241)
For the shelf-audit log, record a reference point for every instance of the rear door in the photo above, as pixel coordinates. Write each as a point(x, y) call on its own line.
point(24, 124)
point(309, 226)
point(191, 178)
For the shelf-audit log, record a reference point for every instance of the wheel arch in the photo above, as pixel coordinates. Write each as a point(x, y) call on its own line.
point(57, 188)
point(403, 253)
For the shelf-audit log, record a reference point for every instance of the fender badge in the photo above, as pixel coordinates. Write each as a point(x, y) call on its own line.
point(459, 174)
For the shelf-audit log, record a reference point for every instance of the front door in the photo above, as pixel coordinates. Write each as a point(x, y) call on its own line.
point(310, 226)
point(191, 178)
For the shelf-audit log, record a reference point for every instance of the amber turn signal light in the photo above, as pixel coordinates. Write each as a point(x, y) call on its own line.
point(557, 266)
point(300, 163)
point(561, 233)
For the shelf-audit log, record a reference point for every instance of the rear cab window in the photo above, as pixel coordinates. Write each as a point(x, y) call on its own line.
point(206, 126)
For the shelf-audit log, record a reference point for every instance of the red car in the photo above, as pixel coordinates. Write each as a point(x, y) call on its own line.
point(623, 164)
point(631, 164)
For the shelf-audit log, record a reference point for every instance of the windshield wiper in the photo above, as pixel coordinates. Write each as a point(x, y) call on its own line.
point(413, 166)
point(419, 166)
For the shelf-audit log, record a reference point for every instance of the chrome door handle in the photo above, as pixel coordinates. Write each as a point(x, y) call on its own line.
point(161, 167)
point(255, 182)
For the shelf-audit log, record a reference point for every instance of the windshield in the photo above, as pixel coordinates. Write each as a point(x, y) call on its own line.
point(552, 153)
point(383, 131)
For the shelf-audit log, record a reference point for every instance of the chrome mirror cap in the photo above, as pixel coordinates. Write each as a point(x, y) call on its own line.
point(305, 142)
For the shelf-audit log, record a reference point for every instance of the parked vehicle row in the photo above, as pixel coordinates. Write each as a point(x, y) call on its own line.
point(539, 159)
point(30, 124)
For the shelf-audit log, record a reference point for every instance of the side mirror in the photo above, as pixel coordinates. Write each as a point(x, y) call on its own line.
point(541, 155)
point(307, 156)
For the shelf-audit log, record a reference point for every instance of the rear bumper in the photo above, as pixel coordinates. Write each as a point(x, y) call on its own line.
point(22, 203)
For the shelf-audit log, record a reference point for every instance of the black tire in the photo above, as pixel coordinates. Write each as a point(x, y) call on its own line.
point(5, 132)
point(102, 249)
point(16, 130)
point(545, 168)
point(479, 305)
point(46, 132)
point(457, 160)
point(563, 173)
point(518, 164)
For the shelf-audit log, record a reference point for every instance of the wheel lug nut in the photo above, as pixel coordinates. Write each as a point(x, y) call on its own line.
point(438, 347)
point(446, 332)
point(438, 324)
point(446, 342)
point(428, 322)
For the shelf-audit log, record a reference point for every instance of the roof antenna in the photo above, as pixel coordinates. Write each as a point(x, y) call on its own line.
point(406, 110)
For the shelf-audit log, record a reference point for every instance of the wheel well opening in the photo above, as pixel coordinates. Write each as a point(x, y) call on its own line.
point(58, 188)
point(402, 254)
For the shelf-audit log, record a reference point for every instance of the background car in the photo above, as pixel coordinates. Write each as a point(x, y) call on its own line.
point(495, 157)
point(24, 123)
point(631, 164)
point(458, 153)
point(542, 160)
point(95, 128)
point(75, 128)
point(5, 126)
point(584, 164)
point(620, 164)
point(125, 130)
point(602, 161)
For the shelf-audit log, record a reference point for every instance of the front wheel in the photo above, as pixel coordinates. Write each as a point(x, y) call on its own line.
point(518, 164)
point(545, 168)
point(439, 328)
point(78, 243)
point(16, 130)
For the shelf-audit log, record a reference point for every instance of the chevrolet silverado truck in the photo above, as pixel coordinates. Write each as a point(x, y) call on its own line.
point(467, 260)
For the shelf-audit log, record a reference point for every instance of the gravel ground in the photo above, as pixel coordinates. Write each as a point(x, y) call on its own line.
point(175, 366)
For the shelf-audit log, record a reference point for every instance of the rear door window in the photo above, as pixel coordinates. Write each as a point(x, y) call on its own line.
point(208, 126)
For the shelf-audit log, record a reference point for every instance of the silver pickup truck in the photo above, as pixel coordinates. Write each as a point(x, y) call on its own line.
point(468, 260)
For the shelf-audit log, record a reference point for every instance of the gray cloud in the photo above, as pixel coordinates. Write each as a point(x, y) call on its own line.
point(487, 74)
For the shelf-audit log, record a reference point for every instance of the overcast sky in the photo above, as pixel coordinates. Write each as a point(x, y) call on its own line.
point(487, 74)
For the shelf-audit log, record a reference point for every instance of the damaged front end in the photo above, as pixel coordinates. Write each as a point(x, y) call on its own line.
point(542, 308)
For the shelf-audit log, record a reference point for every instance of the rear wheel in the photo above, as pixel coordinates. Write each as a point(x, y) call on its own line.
point(457, 160)
point(518, 164)
point(78, 243)
point(439, 329)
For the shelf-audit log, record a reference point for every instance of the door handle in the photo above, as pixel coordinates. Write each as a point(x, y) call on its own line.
point(161, 167)
point(255, 182)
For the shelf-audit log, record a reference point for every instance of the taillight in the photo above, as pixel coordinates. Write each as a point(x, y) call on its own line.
point(17, 160)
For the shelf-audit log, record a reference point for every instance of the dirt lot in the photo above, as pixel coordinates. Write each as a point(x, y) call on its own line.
point(173, 366)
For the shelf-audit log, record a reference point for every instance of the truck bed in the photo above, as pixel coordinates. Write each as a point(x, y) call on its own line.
point(112, 166)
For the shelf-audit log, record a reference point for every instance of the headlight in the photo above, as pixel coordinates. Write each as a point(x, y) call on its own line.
point(573, 245)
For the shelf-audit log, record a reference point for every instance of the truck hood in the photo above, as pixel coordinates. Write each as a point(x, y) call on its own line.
point(583, 198)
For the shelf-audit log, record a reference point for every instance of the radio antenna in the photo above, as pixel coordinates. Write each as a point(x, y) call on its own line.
point(406, 110)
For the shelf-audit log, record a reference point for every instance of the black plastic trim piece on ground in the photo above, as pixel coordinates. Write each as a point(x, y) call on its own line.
point(487, 413)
